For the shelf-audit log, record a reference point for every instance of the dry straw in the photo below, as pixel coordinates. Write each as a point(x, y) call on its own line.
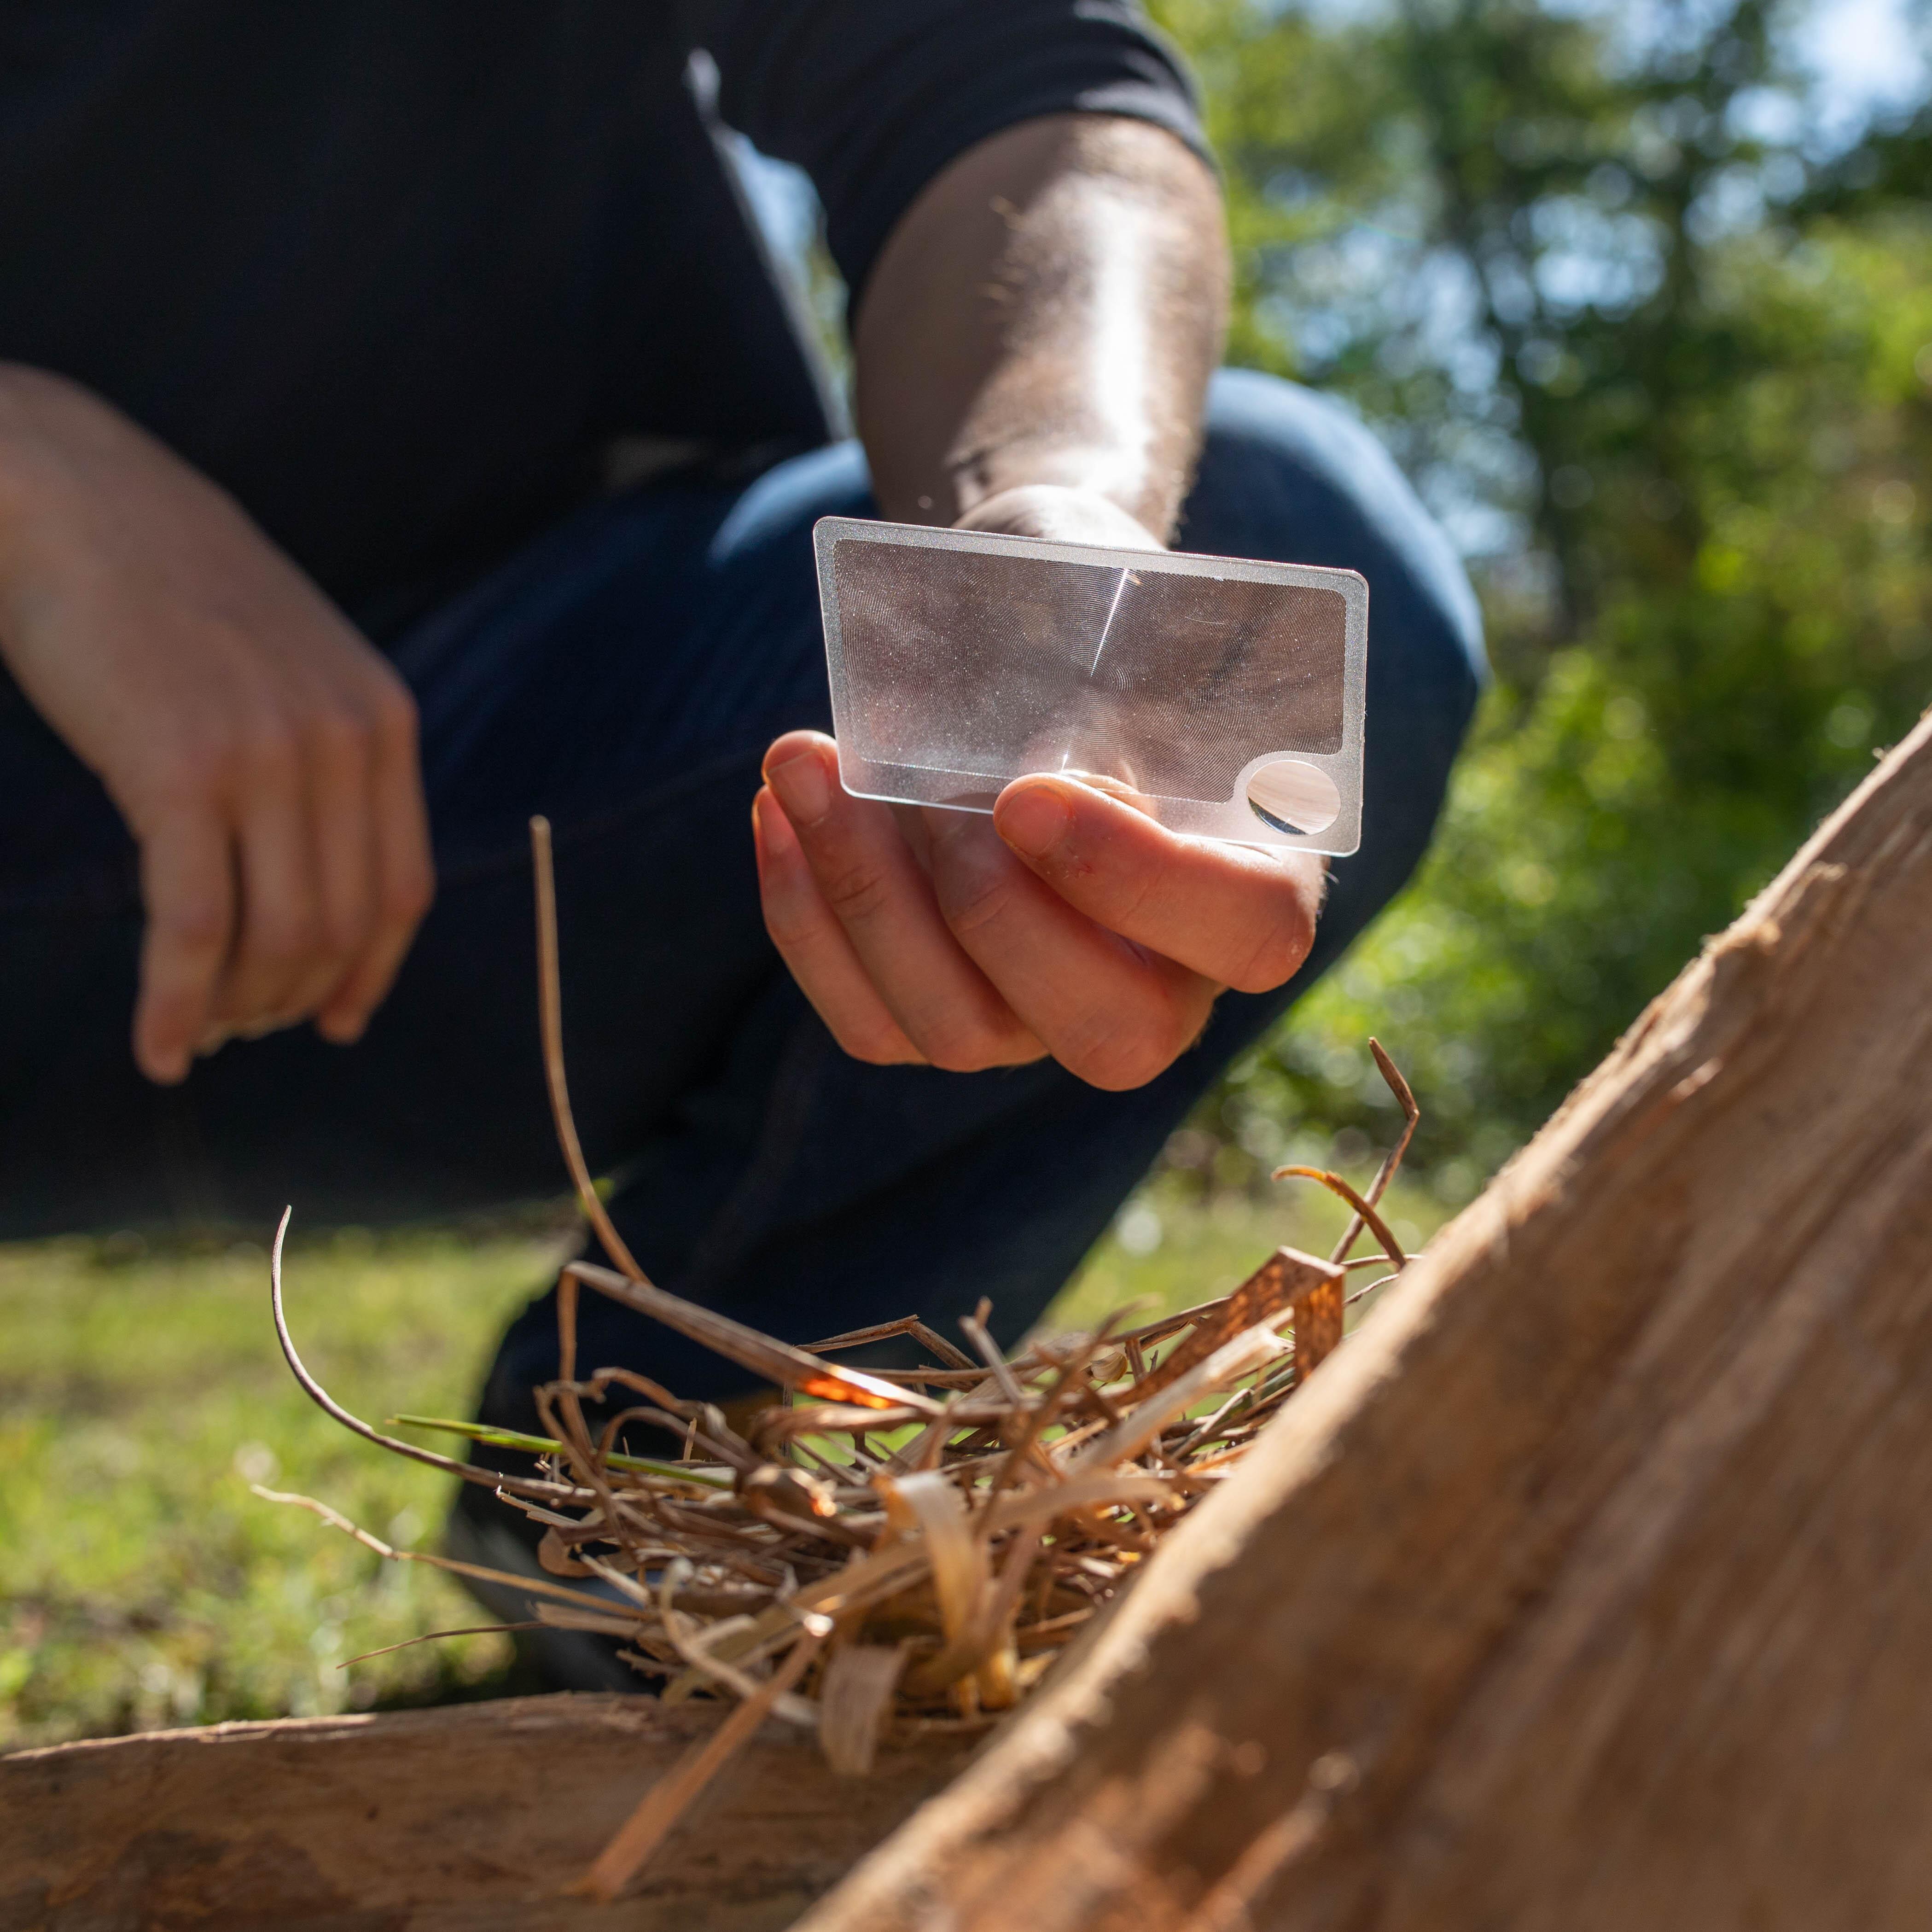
point(907, 1546)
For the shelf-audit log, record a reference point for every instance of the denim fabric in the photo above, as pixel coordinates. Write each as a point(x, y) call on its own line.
point(623, 674)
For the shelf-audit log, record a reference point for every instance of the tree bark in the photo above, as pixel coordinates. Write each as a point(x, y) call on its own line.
point(1589, 1587)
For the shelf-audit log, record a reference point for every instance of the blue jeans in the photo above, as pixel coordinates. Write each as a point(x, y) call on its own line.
point(622, 673)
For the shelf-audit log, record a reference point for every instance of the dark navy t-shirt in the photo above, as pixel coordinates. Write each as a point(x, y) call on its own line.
point(398, 272)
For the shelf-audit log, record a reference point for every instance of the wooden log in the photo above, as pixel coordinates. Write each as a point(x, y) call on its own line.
point(468, 1820)
point(1590, 1586)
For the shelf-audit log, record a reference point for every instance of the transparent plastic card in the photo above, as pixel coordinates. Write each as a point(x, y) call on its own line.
point(1227, 695)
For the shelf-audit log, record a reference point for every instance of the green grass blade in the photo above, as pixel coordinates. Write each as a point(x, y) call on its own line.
point(544, 1445)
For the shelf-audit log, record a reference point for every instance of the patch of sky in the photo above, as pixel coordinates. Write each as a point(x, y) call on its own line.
point(1731, 202)
point(1590, 259)
point(782, 198)
point(1773, 117)
point(1866, 60)
point(1852, 61)
point(785, 206)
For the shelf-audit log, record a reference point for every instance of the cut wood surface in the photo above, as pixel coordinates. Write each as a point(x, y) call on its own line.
point(1590, 1586)
point(471, 1819)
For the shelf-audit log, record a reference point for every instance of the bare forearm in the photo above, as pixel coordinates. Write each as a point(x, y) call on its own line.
point(1048, 313)
point(49, 428)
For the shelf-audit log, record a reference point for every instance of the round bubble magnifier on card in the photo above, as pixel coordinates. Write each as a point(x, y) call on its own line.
point(1225, 696)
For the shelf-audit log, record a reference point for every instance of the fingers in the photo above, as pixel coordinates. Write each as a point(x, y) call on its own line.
point(404, 875)
point(279, 929)
point(882, 906)
point(342, 823)
point(960, 952)
point(323, 839)
point(1072, 924)
point(187, 888)
point(813, 946)
point(1108, 1010)
point(1240, 916)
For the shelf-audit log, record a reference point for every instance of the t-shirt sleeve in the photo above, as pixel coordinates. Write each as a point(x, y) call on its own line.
point(873, 98)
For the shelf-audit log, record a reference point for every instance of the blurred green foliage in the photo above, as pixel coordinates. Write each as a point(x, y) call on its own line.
point(1658, 345)
point(141, 1393)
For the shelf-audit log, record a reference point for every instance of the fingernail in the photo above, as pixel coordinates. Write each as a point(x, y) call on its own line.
point(802, 787)
point(1034, 820)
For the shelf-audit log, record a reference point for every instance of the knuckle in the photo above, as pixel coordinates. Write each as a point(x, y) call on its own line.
point(1275, 955)
point(189, 772)
point(406, 893)
point(180, 778)
point(271, 749)
point(341, 931)
point(965, 1053)
point(1120, 1068)
point(788, 920)
point(958, 1060)
point(195, 922)
point(973, 1046)
point(967, 911)
point(875, 1045)
point(338, 736)
point(286, 939)
point(394, 712)
point(784, 924)
point(1129, 902)
point(1122, 1057)
point(857, 892)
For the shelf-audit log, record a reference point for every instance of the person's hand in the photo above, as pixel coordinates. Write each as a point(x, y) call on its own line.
point(1068, 923)
point(263, 755)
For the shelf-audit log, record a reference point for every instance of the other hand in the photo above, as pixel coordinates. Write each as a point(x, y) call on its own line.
point(1068, 923)
point(263, 755)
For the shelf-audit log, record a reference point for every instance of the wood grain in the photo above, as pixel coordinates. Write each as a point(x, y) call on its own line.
point(1590, 1586)
point(467, 1820)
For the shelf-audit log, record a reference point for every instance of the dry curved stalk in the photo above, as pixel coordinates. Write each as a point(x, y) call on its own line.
point(330, 1407)
point(667, 1800)
point(1410, 1114)
point(550, 1017)
point(529, 1586)
point(885, 1331)
point(1364, 1210)
point(774, 1361)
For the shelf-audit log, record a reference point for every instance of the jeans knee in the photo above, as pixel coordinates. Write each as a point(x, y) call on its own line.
point(779, 507)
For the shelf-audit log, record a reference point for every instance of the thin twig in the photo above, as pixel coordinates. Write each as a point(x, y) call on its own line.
point(550, 1012)
point(973, 1328)
point(885, 1331)
point(1336, 1184)
point(490, 1479)
point(1410, 1114)
point(667, 1800)
point(430, 1636)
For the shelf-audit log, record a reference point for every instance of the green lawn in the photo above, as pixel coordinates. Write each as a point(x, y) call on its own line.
point(141, 1391)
